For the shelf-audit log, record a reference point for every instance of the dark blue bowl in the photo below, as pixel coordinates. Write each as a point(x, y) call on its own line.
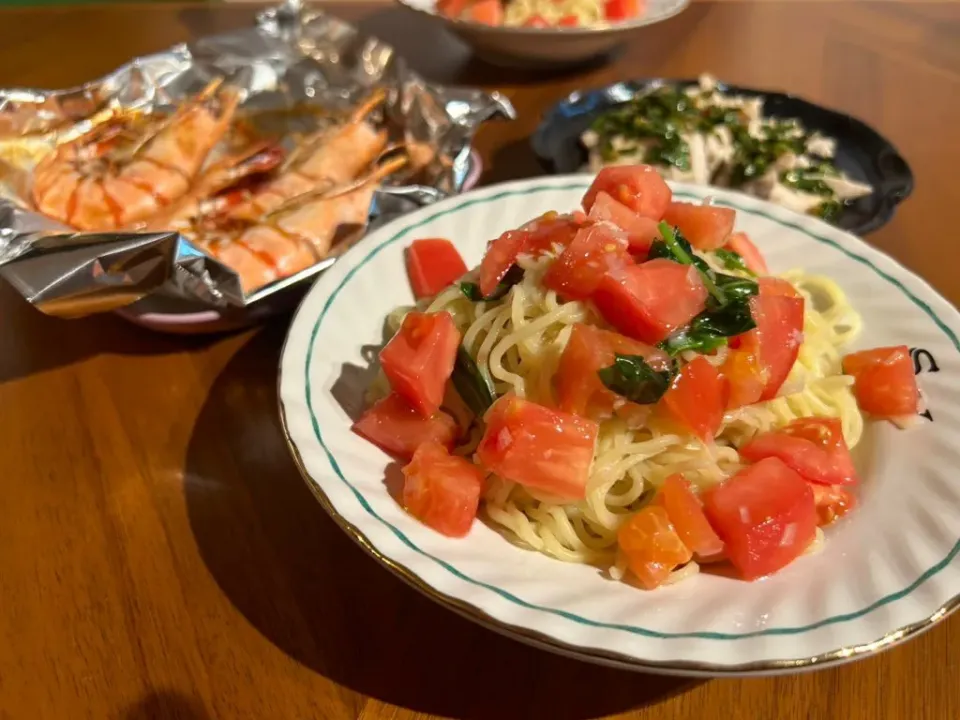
point(862, 153)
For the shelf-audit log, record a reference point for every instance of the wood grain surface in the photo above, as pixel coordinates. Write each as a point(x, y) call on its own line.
point(160, 556)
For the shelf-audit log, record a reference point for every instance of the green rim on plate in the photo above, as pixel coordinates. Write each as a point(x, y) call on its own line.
point(926, 575)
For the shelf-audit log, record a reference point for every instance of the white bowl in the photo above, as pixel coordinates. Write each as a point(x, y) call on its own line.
point(887, 571)
point(546, 47)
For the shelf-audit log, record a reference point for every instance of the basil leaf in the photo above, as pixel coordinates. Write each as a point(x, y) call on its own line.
point(733, 289)
point(753, 156)
point(727, 310)
point(828, 210)
point(732, 260)
point(471, 384)
point(659, 249)
point(710, 329)
point(683, 340)
point(676, 248)
point(672, 245)
point(472, 290)
point(660, 116)
point(723, 288)
point(631, 377)
point(808, 180)
point(727, 321)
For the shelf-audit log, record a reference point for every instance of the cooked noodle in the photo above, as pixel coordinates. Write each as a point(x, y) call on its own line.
point(517, 342)
point(587, 12)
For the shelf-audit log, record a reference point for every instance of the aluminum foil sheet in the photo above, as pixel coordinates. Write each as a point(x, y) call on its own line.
point(296, 69)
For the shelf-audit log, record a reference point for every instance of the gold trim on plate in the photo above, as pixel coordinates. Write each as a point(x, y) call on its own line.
point(591, 654)
point(588, 654)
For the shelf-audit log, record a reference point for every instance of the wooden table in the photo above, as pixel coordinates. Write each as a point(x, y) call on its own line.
point(160, 556)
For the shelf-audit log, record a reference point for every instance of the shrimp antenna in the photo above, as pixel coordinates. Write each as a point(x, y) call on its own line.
point(392, 158)
point(376, 98)
point(314, 139)
point(389, 166)
point(209, 89)
point(229, 106)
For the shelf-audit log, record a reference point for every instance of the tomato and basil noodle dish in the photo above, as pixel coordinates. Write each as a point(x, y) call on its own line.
point(628, 386)
point(543, 13)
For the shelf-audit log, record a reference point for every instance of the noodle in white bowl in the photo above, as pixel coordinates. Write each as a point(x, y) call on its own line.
point(588, 13)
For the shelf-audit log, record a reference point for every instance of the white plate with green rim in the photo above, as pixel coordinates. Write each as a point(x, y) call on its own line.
point(886, 573)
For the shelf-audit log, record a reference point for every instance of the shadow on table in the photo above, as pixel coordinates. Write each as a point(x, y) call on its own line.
point(165, 705)
point(31, 342)
point(316, 595)
point(514, 161)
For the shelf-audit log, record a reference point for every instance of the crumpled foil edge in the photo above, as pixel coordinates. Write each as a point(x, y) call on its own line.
point(305, 56)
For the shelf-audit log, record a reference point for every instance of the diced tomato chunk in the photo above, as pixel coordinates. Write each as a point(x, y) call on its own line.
point(641, 231)
point(745, 377)
point(442, 490)
point(760, 360)
point(686, 513)
point(813, 447)
point(706, 227)
point(419, 359)
point(885, 384)
point(451, 8)
point(639, 187)
point(537, 236)
point(538, 447)
point(589, 350)
point(595, 251)
point(568, 21)
point(536, 21)
point(614, 10)
point(765, 515)
point(499, 258)
point(696, 399)
point(777, 286)
point(832, 502)
point(651, 546)
point(855, 363)
point(779, 332)
point(552, 230)
point(650, 301)
point(741, 244)
point(432, 265)
point(486, 12)
point(400, 430)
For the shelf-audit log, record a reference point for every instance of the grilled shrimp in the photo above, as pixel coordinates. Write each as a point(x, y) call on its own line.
point(328, 159)
point(295, 235)
point(206, 198)
point(100, 182)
